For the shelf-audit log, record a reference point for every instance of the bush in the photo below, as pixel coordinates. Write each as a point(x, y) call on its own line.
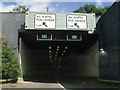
point(10, 65)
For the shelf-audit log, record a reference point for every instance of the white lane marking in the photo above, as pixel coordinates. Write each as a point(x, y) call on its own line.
point(61, 85)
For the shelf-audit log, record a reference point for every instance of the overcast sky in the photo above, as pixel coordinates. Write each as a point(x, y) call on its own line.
point(53, 5)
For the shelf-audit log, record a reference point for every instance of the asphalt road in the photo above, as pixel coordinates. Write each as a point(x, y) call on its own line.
point(64, 84)
point(74, 84)
point(32, 86)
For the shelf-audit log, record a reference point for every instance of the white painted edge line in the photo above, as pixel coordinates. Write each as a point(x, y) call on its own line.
point(61, 86)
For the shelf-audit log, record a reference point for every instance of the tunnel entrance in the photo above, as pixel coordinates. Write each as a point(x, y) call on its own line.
point(49, 59)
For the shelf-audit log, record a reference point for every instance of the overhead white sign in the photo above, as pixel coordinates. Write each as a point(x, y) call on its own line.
point(44, 21)
point(76, 22)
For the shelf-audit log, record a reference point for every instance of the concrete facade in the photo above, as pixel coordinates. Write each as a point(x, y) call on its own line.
point(33, 55)
point(109, 31)
point(61, 21)
point(10, 25)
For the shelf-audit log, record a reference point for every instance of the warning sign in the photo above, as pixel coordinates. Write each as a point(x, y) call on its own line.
point(44, 21)
point(76, 21)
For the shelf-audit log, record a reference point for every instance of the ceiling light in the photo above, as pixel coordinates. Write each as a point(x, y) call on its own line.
point(57, 46)
point(57, 49)
point(49, 47)
point(66, 47)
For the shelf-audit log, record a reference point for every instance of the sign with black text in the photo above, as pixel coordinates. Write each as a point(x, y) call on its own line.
point(44, 21)
point(76, 22)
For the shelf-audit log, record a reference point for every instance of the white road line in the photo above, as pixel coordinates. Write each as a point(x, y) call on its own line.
point(61, 86)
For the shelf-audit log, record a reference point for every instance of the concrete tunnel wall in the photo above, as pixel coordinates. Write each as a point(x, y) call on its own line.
point(108, 28)
point(85, 64)
point(33, 65)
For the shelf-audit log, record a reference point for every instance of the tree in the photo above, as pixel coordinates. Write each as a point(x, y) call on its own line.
point(20, 9)
point(86, 8)
point(91, 8)
point(10, 65)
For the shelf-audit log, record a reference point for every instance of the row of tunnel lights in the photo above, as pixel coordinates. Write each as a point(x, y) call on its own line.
point(56, 54)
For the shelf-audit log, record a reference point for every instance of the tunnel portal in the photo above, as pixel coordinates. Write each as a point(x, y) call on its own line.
point(51, 45)
point(51, 58)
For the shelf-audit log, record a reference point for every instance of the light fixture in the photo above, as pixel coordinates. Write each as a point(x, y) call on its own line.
point(66, 47)
point(74, 36)
point(63, 51)
point(59, 61)
point(102, 51)
point(49, 51)
point(44, 36)
point(49, 47)
point(58, 47)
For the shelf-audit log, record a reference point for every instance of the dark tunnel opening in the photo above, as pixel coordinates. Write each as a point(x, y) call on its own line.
point(46, 61)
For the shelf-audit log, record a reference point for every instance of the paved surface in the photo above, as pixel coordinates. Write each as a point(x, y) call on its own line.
point(64, 84)
point(34, 85)
point(73, 84)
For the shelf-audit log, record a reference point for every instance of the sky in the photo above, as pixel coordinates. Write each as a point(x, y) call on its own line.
point(53, 5)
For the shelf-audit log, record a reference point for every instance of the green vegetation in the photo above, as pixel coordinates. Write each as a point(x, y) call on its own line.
point(91, 8)
point(20, 9)
point(10, 65)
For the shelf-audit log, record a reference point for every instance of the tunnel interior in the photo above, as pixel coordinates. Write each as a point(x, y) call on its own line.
point(56, 58)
